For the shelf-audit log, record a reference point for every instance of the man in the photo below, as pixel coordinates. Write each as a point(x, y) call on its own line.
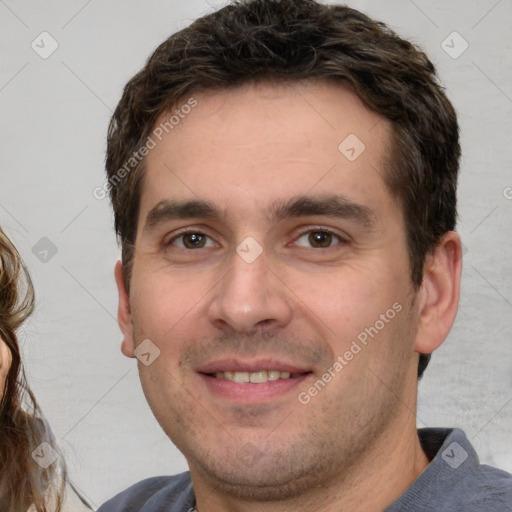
point(283, 177)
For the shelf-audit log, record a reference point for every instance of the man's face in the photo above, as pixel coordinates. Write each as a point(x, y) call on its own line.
point(299, 249)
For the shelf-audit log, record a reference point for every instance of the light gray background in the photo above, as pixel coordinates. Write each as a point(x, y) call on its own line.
point(54, 119)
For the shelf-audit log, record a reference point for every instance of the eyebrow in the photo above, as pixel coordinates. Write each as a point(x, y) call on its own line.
point(172, 209)
point(335, 206)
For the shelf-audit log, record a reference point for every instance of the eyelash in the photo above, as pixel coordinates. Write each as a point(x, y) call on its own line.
point(182, 234)
point(341, 240)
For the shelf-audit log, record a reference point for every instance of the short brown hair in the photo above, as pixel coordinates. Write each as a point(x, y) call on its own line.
point(255, 40)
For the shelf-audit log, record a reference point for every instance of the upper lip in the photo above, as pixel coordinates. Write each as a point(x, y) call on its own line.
point(253, 365)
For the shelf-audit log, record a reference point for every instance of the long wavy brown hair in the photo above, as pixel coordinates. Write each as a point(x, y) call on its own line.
point(23, 481)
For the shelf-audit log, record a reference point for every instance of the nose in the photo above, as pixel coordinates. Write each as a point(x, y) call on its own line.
point(250, 297)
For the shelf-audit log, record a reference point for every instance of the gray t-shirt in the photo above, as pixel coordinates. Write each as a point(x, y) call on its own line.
point(454, 481)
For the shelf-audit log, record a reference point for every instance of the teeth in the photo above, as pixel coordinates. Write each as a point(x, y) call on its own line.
point(257, 377)
point(241, 377)
point(254, 377)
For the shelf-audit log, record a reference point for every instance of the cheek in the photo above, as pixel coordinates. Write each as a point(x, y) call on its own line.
point(168, 313)
point(158, 303)
point(5, 364)
point(348, 299)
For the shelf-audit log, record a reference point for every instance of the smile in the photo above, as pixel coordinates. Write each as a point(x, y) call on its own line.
point(257, 377)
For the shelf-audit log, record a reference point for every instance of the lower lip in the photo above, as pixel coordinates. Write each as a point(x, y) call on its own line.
point(252, 393)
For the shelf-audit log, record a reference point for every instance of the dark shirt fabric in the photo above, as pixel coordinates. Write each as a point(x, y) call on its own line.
point(454, 481)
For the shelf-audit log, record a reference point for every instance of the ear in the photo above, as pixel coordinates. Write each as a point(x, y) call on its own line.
point(439, 293)
point(124, 315)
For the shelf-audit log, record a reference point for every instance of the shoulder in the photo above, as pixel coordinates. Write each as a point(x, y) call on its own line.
point(479, 486)
point(488, 488)
point(466, 483)
point(165, 493)
point(455, 480)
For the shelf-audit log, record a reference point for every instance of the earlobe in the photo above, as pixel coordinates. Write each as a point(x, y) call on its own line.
point(124, 316)
point(439, 293)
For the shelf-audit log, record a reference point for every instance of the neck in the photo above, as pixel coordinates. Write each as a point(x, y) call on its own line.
point(380, 476)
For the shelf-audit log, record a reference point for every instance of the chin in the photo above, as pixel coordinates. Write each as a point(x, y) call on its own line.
point(268, 477)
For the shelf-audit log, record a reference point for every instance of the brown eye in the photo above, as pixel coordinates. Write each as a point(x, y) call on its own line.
point(320, 239)
point(191, 240)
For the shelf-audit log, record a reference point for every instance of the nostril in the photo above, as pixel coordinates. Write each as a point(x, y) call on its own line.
point(265, 322)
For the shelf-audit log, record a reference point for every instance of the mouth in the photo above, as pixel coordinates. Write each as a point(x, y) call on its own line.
point(251, 381)
point(257, 377)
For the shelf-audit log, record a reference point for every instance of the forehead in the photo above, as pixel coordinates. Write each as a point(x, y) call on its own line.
point(266, 142)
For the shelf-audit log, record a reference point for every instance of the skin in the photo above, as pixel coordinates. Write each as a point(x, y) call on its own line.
point(354, 446)
point(5, 364)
